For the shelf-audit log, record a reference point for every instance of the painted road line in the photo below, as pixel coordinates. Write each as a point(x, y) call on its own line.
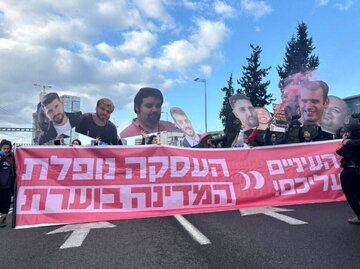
point(192, 230)
point(272, 212)
point(79, 232)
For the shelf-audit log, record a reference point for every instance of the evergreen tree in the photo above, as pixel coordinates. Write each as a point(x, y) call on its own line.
point(229, 121)
point(251, 83)
point(298, 57)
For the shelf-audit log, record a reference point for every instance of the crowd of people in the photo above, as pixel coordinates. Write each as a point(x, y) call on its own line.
point(310, 115)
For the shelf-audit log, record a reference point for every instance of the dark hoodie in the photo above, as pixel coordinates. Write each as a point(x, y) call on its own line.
point(351, 151)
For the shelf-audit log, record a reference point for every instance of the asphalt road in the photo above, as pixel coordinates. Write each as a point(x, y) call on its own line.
point(326, 240)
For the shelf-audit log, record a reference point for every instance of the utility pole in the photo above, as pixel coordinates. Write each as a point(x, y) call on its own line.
point(42, 86)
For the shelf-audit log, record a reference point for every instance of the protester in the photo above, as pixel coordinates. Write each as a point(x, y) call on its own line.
point(350, 175)
point(61, 122)
point(335, 116)
point(293, 130)
point(76, 142)
point(59, 140)
point(255, 138)
point(152, 139)
point(241, 140)
point(7, 179)
point(184, 124)
point(306, 137)
point(98, 124)
point(147, 106)
point(220, 142)
point(205, 141)
point(270, 137)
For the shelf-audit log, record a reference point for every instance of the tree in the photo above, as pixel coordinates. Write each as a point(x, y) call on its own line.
point(251, 83)
point(229, 121)
point(298, 57)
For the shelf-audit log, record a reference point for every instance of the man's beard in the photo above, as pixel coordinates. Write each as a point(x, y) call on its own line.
point(58, 118)
point(154, 118)
point(101, 117)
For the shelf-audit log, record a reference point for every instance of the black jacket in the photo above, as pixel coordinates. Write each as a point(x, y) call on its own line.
point(350, 153)
point(51, 132)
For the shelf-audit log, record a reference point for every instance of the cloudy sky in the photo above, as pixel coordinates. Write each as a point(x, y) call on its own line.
point(95, 49)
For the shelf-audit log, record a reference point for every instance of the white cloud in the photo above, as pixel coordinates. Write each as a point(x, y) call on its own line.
point(200, 47)
point(138, 43)
point(322, 2)
point(224, 10)
point(344, 6)
point(255, 8)
point(156, 10)
point(193, 5)
point(98, 49)
point(210, 33)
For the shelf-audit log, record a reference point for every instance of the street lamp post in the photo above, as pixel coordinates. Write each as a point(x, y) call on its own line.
point(203, 81)
point(42, 86)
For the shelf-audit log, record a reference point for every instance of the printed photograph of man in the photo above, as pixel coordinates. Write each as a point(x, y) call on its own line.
point(182, 122)
point(147, 106)
point(264, 117)
point(60, 122)
point(291, 94)
point(41, 123)
point(98, 125)
point(244, 111)
point(313, 101)
point(335, 116)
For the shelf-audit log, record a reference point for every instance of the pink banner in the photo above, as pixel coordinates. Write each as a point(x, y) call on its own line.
point(82, 184)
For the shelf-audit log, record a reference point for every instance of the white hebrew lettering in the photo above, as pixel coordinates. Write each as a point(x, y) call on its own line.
point(223, 166)
point(152, 169)
point(304, 181)
point(30, 163)
point(111, 172)
point(313, 166)
point(331, 157)
point(197, 172)
point(174, 161)
point(335, 183)
point(79, 163)
point(65, 162)
point(275, 167)
point(290, 183)
point(135, 160)
point(324, 178)
point(299, 168)
point(99, 168)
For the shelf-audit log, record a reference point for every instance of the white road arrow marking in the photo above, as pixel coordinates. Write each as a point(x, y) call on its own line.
point(272, 212)
point(79, 232)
